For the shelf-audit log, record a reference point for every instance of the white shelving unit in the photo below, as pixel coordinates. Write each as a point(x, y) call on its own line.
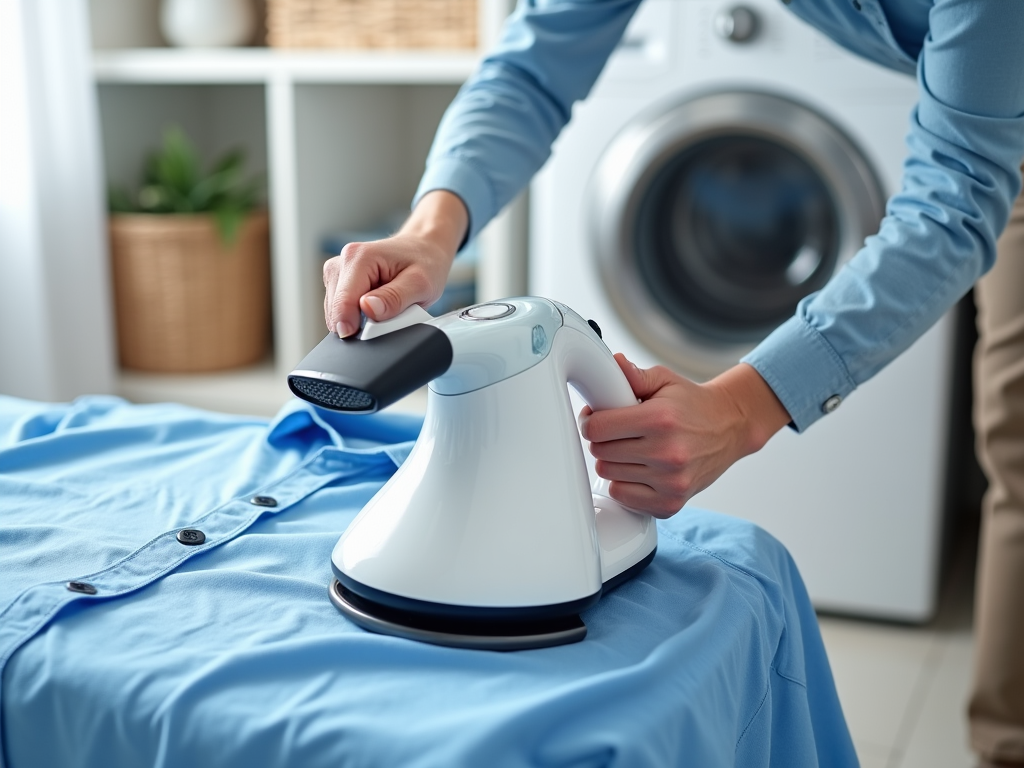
point(342, 138)
point(265, 65)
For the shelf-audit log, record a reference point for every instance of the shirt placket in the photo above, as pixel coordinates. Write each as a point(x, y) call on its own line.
point(37, 606)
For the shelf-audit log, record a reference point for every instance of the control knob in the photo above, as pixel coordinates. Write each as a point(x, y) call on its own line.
point(738, 24)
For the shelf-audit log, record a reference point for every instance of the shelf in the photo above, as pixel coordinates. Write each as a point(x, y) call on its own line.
point(263, 65)
point(342, 137)
point(259, 390)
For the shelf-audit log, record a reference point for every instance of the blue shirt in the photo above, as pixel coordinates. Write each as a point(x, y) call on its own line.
point(229, 653)
point(961, 174)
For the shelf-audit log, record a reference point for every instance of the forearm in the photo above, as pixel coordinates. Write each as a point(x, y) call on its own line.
point(499, 130)
point(759, 413)
point(961, 175)
point(441, 218)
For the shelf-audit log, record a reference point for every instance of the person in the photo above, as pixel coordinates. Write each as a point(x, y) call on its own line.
point(939, 236)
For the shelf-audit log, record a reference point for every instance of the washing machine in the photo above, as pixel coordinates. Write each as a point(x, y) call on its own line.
point(728, 161)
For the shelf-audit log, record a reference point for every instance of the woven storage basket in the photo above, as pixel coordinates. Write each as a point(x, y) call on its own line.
point(184, 301)
point(372, 23)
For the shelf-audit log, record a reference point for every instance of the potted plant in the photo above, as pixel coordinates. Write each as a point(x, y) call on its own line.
point(191, 264)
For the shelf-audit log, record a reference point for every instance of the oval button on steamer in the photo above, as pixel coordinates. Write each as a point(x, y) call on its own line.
point(488, 312)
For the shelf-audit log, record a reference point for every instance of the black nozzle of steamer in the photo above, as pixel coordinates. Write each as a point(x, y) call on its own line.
point(366, 376)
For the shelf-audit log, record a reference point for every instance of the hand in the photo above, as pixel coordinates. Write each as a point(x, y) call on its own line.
point(385, 277)
point(682, 436)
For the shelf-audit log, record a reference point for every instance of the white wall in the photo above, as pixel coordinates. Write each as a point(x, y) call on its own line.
point(56, 337)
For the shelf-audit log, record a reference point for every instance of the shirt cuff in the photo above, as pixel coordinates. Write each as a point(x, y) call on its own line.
point(803, 370)
point(461, 178)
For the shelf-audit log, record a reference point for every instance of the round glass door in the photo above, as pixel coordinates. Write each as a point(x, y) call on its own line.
point(714, 218)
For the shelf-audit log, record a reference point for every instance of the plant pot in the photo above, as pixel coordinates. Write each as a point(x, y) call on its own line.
point(184, 301)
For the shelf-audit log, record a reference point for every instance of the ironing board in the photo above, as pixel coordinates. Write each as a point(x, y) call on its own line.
point(126, 642)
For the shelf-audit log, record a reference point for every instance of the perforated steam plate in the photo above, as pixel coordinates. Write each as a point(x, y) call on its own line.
point(332, 395)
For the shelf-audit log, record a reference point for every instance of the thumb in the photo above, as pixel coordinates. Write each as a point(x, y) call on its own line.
point(390, 299)
point(645, 382)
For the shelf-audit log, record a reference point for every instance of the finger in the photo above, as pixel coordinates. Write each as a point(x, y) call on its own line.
point(358, 274)
point(643, 498)
point(330, 286)
point(645, 382)
point(633, 421)
point(627, 472)
point(583, 419)
point(612, 424)
point(629, 450)
point(666, 454)
point(409, 287)
point(672, 484)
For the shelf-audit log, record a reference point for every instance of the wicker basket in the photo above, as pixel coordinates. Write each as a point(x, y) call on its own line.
point(398, 24)
point(185, 302)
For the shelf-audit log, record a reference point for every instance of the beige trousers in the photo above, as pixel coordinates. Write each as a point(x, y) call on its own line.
point(996, 710)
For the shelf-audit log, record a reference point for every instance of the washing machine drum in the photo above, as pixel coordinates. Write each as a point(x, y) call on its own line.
point(712, 218)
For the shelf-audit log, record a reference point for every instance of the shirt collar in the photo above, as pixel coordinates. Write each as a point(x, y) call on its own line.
point(390, 433)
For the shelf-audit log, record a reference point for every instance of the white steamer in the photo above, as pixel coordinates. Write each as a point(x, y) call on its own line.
point(489, 535)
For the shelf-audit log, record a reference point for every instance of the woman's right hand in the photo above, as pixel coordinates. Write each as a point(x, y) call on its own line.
point(682, 435)
point(385, 277)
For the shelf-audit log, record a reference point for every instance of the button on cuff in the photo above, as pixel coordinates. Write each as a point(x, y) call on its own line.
point(802, 369)
point(831, 404)
point(81, 587)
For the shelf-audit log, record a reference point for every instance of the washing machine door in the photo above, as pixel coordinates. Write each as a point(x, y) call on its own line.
point(712, 218)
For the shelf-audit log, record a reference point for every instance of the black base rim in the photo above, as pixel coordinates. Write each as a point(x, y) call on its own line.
point(454, 613)
point(489, 635)
point(629, 573)
point(497, 629)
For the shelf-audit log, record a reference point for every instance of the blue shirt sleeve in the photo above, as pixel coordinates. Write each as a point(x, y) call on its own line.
point(498, 132)
point(965, 146)
point(960, 178)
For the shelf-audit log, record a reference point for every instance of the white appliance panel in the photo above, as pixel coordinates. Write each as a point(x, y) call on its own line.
point(858, 499)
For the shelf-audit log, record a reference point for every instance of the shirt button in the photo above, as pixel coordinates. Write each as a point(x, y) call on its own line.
point(81, 587)
point(831, 404)
point(263, 501)
point(191, 536)
point(856, 4)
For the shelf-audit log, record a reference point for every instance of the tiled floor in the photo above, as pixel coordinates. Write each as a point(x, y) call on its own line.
point(904, 689)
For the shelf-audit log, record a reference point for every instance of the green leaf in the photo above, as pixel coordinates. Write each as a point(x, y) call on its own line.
point(173, 182)
point(231, 162)
point(229, 221)
point(207, 193)
point(119, 201)
point(177, 165)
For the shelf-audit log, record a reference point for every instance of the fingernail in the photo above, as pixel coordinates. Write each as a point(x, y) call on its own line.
point(344, 329)
point(376, 306)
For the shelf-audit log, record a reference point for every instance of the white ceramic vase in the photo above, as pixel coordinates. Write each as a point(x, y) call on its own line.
point(207, 23)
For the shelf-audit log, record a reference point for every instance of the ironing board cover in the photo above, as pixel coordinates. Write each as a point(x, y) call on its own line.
point(229, 653)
